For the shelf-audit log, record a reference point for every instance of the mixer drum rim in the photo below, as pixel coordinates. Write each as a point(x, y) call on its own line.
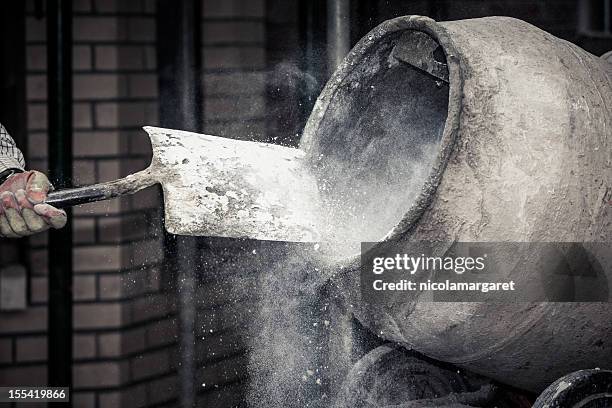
point(309, 142)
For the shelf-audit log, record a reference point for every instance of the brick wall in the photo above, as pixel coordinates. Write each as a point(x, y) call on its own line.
point(124, 329)
point(234, 81)
point(285, 82)
point(125, 322)
point(234, 63)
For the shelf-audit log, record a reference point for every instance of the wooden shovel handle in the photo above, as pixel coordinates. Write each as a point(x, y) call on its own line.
point(102, 191)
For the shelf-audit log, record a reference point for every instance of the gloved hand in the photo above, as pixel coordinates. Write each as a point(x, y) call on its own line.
point(22, 208)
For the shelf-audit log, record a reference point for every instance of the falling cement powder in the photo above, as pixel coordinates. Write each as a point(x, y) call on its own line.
point(371, 157)
point(291, 361)
point(289, 358)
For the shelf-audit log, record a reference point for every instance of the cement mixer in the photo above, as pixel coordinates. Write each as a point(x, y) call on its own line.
point(503, 131)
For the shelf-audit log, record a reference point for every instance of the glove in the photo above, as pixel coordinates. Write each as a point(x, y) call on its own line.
point(22, 208)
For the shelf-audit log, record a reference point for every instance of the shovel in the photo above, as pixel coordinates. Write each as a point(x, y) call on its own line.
point(215, 186)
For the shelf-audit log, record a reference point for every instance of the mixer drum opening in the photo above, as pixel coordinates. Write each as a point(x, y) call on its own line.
point(378, 149)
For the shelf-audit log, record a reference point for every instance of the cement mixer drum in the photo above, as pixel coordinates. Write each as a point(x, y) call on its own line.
point(483, 130)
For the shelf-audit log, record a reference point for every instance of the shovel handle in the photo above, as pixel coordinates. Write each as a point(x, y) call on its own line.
point(101, 191)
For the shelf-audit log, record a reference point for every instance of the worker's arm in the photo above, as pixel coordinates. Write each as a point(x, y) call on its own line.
point(10, 156)
point(22, 195)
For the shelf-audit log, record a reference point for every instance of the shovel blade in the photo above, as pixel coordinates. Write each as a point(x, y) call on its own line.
point(215, 186)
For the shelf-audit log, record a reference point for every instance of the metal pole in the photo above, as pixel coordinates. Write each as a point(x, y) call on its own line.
point(59, 82)
point(338, 32)
point(180, 87)
point(312, 42)
point(186, 250)
point(188, 84)
point(341, 339)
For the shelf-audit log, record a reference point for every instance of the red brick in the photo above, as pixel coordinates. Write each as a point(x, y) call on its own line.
point(37, 145)
point(252, 57)
point(36, 57)
point(32, 320)
point(39, 262)
point(230, 395)
point(146, 252)
point(36, 87)
point(226, 370)
point(107, 114)
point(102, 374)
point(146, 199)
point(235, 83)
point(150, 364)
point(135, 283)
point(151, 307)
point(234, 107)
point(81, 115)
point(139, 143)
point(84, 346)
point(97, 315)
point(223, 320)
point(97, 258)
point(131, 396)
point(106, 207)
point(84, 230)
point(84, 287)
point(9, 253)
point(150, 58)
point(133, 340)
point(119, 6)
point(252, 130)
point(106, 57)
point(162, 332)
point(109, 169)
point(233, 8)
point(84, 172)
point(143, 86)
point(6, 351)
point(36, 29)
point(41, 239)
point(136, 396)
point(97, 29)
point(81, 57)
point(119, 57)
point(110, 344)
point(38, 164)
point(110, 286)
point(112, 399)
point(20, 375)
point(110, 229)
point(154, 283)
point(37, 117)
point(141, 29)
point(126, 114)
point(83, 399)
point(39, 288)
point(95, 144)
point(214, 32)
point(130, 166)
point(163, 389)
point(32, 348)
point(98, 86)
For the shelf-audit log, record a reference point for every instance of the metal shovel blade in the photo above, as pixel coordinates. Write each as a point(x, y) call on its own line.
point(216, 186)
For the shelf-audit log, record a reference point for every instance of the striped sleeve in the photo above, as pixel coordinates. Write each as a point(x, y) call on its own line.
point(10, 156)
